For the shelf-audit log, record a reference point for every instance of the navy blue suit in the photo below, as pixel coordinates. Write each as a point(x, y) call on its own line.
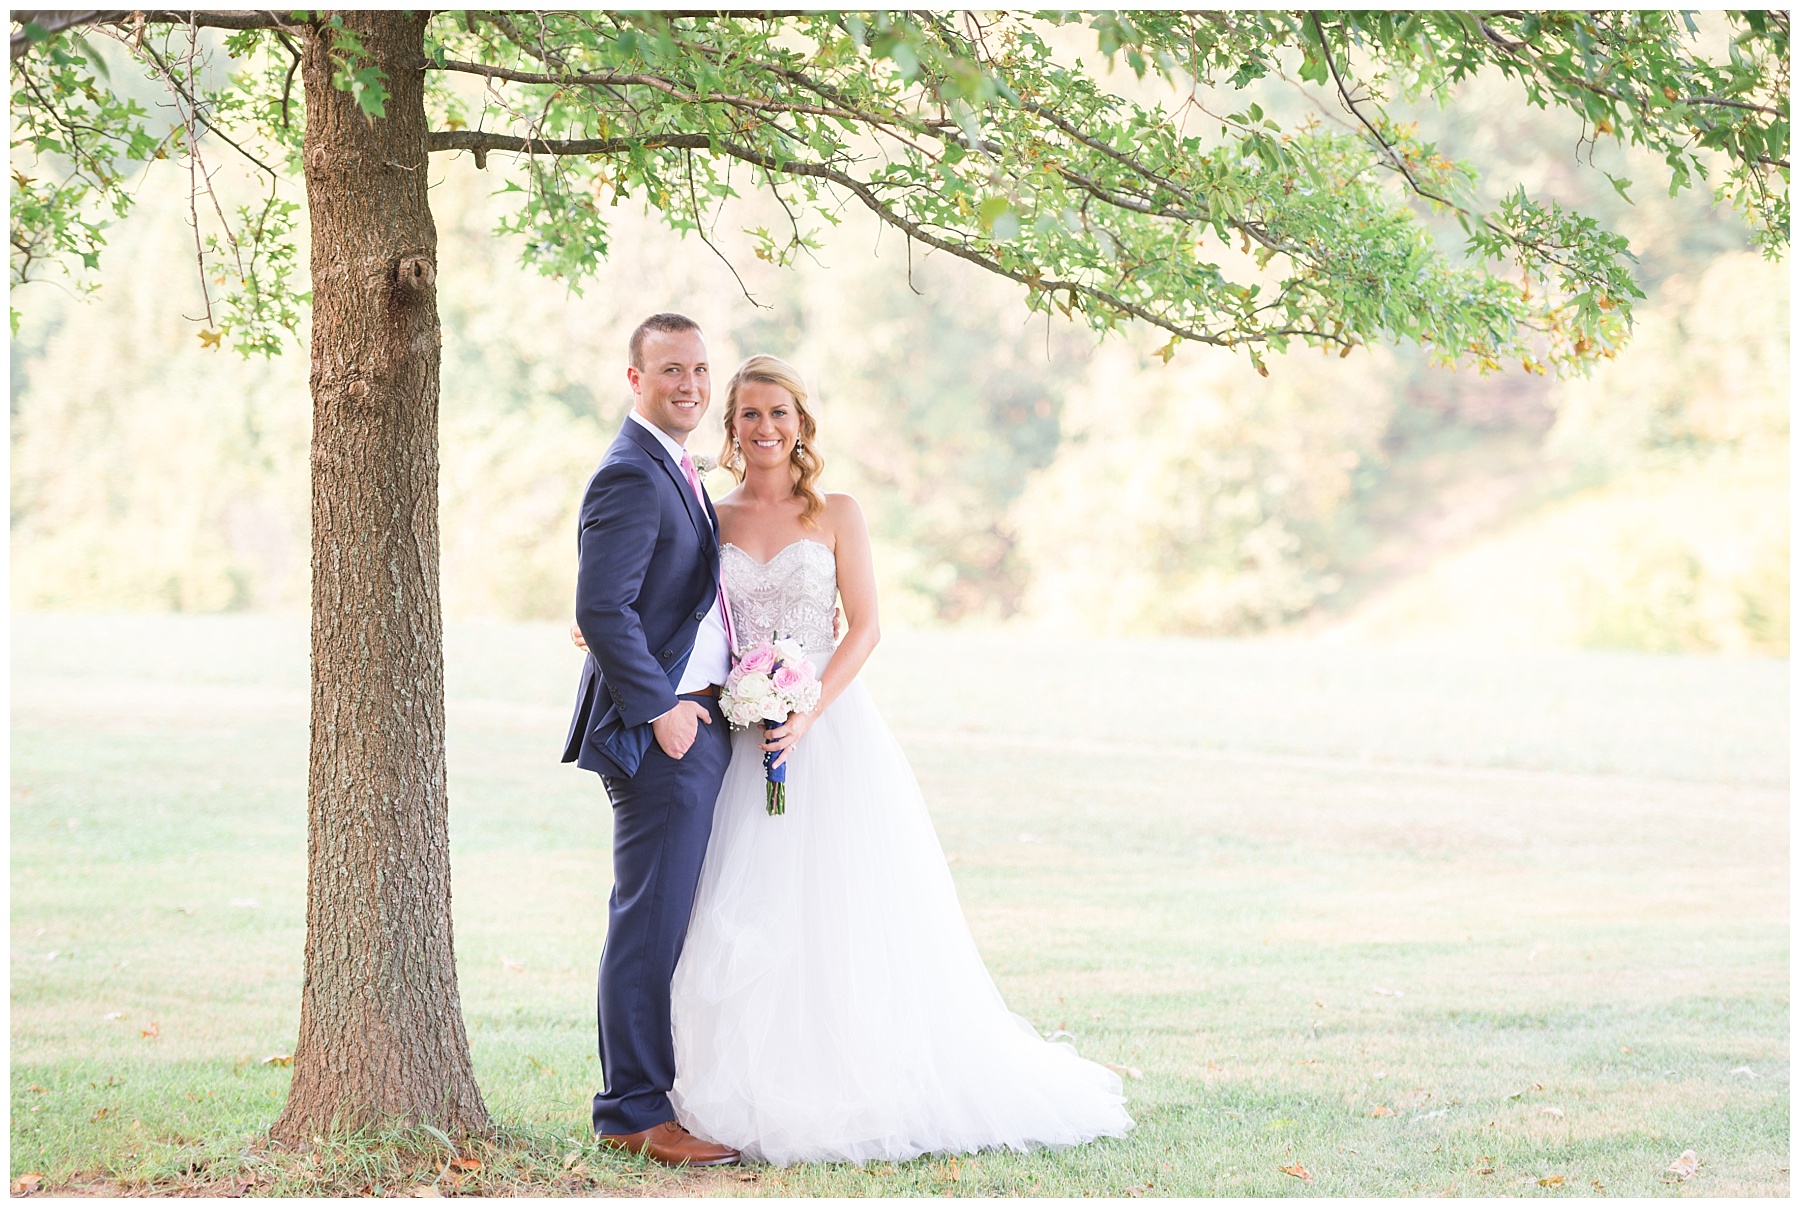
point(649, 572)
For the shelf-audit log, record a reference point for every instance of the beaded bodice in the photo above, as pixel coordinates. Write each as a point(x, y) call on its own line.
point(793, 594)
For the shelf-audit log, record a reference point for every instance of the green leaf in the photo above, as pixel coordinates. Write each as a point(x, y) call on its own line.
point(992, 209)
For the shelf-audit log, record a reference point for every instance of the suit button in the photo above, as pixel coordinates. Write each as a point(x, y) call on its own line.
point(668, 654)
point(700, 614)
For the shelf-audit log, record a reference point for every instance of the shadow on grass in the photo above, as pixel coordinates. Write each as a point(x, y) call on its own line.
point(391, 1161)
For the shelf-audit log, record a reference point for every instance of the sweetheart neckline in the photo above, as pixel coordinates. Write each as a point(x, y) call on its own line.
point(784, 549)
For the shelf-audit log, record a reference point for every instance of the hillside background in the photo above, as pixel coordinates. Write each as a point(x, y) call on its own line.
point(1016, 472)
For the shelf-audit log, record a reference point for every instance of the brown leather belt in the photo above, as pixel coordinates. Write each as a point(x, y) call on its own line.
point(708, 690)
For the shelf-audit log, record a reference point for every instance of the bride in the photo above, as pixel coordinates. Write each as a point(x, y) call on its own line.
point(829, 1004)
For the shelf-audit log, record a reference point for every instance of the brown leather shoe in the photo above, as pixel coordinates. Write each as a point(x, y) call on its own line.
point(672, 1145)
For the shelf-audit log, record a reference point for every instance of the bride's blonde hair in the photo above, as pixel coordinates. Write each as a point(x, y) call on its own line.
point(805, 464)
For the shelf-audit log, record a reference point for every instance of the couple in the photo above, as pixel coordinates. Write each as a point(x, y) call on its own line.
point(792, 988)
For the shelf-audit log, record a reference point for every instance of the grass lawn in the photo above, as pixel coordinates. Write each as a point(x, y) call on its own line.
point(1400, 923)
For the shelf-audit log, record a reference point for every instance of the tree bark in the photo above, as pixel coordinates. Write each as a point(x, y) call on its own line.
point(381, 1028)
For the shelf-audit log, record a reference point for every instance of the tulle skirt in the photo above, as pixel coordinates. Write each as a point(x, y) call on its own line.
point(830, 1004)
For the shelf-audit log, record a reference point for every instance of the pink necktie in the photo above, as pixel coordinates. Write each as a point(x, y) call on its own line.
point(687, 467)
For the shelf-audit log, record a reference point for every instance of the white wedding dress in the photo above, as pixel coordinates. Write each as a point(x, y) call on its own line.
point(830, 1005)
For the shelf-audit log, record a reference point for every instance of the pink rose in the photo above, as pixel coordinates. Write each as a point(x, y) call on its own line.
point(787, 679)
point(759, 658)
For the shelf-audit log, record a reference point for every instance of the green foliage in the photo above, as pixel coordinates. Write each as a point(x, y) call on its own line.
point(984, 135)
point(353, 69)
point(89, 142)
point(74, 143)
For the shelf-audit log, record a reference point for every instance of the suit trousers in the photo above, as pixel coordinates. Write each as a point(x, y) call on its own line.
point(662, 818)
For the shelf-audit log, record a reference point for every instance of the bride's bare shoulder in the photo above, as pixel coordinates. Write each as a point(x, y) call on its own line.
point(842, 510)
point(843, 519)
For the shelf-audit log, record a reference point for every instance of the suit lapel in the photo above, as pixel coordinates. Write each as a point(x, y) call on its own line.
point(701, 517)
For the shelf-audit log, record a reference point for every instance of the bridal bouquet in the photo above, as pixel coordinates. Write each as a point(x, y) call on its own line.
point(771, 681)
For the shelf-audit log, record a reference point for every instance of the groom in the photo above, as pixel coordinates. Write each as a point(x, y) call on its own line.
point(647, 719)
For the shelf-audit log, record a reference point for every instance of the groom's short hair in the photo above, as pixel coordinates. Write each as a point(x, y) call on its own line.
point(667, 321)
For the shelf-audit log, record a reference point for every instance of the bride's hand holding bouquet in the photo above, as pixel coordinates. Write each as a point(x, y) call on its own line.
point(773, 683)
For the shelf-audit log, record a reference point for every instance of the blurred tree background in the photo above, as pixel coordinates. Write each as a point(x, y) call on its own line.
point(1014, 470)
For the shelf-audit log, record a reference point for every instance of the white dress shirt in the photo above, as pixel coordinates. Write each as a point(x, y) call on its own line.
point(711, 661)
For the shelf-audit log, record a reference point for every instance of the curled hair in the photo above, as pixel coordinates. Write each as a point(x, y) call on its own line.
point(804, 464)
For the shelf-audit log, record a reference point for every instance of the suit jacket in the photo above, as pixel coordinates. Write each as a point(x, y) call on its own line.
point(649, 571)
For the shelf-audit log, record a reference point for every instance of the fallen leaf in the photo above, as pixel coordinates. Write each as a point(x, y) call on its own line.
point(35, 1089)
point(1551, 1111)
point(25, 1184)
point(511, 966)
point(115, 1015)
point(1382, 1111)
point(749, 1176)
point(1683, 1168)
point(1555, 1180)
point(1745, 1070)
point(101, 1114)
point(151, 1032)
point(278, 1059)
point(573, 1157)
point(424, 1191)
point(210, 339)
point(1298, 1171)
point(1125, 1071)
point(466, 1164)
point(1536, 1086)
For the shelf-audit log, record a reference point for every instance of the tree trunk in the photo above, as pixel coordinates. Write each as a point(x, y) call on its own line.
point(381, 1028)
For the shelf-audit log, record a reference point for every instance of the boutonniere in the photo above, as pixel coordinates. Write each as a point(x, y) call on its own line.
point(705, 464)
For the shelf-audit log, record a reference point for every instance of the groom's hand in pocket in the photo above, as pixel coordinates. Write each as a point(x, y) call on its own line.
point(675, 729)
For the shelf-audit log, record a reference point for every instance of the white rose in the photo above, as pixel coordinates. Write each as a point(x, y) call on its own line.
point(741, 713)
point(775, 709)
point(787, 650)
point(754, 687)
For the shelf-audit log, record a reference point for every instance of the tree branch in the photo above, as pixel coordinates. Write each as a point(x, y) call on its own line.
point(474, 140)
point(482, 142)
point(56, 21)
